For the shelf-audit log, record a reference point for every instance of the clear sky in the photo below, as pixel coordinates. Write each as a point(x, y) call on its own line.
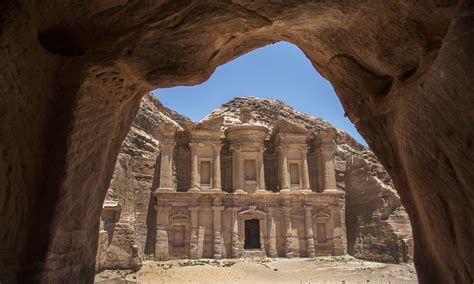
point(279, 71)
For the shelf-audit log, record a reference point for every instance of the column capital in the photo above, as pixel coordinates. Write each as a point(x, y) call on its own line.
point(218, 208)
point(235, 148)
point(162, 207)
point(217, 146)
point(326, 148)
point(234, 208)
point(194, 208)
point(308, 207)
point(303, 148)
point(272, 209)
point(167, 143)
point(335, 205)
point(282, 147)
point(195, 145)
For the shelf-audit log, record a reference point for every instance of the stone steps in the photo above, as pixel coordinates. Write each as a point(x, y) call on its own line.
point(253, 253)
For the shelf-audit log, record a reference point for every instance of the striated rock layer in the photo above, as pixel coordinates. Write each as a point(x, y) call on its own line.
point(73, 73)
point(378, 229)
point(135, 176)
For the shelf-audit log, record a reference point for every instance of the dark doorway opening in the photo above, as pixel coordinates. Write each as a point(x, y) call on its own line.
point(252, 234)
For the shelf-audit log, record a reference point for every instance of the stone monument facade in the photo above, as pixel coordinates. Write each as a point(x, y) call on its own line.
point(250, 192)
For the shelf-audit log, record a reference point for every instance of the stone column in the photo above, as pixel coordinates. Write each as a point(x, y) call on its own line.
point(288, 232)
point(217, 247)
point(261, 171)
point(329, 171)
point(193, 240)
point(162, 224)
point(238, 177)
point(326, 149)
point(309, 230)
point(339, 234)
point(195, 178)
point(272, 249)
point(262, 224)
point(235, 245)
point(304, 169)
point(284, 174)
point(166, 169)
point(216, 173)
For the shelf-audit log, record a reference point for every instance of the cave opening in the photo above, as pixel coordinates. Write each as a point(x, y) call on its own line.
point(67, 114)
point(257, 87)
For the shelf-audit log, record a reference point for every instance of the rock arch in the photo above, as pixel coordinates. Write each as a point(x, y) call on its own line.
point(73, 74)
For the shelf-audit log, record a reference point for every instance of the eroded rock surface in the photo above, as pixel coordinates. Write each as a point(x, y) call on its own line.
point(131, 186)
point(73, 74)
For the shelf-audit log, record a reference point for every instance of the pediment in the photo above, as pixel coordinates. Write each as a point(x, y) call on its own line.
point(284, 126)
point(213, 124)
point(252, 211)
point(179, 216)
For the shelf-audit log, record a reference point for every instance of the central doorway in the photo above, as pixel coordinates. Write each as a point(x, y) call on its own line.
point(252, 234)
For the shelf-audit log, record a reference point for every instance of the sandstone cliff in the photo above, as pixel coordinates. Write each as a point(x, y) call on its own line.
point(378, 228)
point(131, 185)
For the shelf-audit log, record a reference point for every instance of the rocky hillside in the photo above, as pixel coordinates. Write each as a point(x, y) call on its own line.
point(378, 228)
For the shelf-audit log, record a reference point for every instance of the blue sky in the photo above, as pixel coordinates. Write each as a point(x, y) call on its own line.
point(279, 71)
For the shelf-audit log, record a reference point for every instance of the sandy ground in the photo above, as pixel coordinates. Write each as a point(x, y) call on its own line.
point(343, 269)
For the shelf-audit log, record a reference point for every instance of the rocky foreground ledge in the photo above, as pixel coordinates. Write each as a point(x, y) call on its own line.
point(330, 269)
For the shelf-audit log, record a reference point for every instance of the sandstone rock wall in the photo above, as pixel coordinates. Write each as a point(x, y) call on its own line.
point(135, 176)
point(378, 228)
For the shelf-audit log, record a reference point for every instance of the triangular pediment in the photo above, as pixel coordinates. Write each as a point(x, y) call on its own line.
point(214, 124)
point(286, 126)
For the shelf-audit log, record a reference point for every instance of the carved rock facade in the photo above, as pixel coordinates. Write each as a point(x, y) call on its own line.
point(304, 221)
point(199, 207)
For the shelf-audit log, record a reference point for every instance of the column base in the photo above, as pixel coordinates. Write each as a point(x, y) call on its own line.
point(306, 191)
point(288, 247)
point(216, 190)
point(332, 190)
point(310, 249)
point(338, 247)
point(194, 189)
point(235, 245)
point(285, 191)
point(165, 189)
point(240, 191)
point(261, 191)
point(193, 244)
point(161, 245)
point(272, 251)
